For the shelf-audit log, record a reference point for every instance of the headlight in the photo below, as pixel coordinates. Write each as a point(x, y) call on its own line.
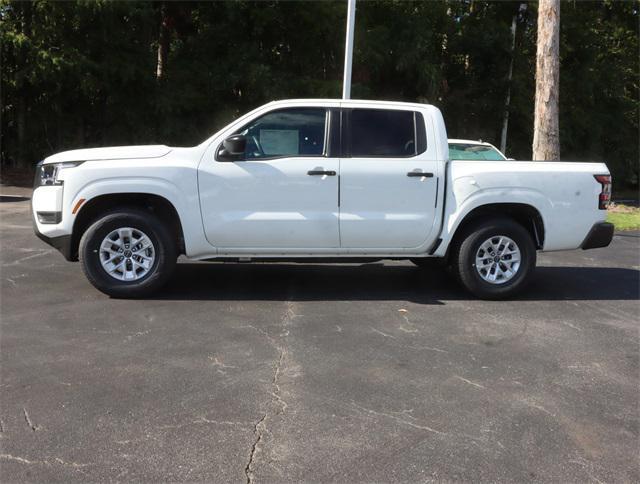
point(53, 173)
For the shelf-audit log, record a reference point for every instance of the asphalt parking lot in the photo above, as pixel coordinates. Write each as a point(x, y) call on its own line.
point(303, 372)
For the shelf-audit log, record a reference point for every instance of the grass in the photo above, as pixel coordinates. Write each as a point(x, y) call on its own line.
point(624, 217)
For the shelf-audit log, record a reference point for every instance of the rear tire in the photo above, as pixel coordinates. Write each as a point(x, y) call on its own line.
point(494, 258)
point(128, 253)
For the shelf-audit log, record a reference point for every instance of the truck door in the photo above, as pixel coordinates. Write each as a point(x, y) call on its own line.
point(282, 194)
point(388, 179)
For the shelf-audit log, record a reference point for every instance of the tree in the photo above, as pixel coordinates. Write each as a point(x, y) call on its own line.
point(163, 41)
point(78, 74)
point(546, 135)
point(505, 117)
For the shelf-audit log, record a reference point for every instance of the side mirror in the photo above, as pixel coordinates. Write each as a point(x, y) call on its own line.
point(233, 148)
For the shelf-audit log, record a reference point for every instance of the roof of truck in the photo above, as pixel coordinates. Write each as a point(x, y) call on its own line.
point(351, 101)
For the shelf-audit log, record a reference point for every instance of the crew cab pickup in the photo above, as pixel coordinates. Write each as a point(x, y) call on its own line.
point(316, 180)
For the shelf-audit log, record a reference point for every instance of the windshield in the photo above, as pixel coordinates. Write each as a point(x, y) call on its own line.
point(459, 151)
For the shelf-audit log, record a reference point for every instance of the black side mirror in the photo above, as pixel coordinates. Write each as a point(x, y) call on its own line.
point(233, 148)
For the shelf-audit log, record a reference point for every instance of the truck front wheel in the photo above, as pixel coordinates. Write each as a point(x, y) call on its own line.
point(128, 253)
point(494, 258)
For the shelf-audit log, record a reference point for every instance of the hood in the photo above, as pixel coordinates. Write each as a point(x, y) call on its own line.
point(113, 153)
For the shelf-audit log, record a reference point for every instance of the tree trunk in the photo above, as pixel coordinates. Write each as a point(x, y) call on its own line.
point(163, 42)
point(22, 89)
point(546, 139)
point(21, 127)
point(507, 101)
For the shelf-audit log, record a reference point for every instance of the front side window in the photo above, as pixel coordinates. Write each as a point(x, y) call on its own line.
point(387, 133)
point(286, 132)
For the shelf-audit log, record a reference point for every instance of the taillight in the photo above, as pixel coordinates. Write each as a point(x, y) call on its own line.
point(605, 195)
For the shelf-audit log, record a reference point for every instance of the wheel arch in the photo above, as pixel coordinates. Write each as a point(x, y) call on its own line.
point(525, 214)
point(98, 205)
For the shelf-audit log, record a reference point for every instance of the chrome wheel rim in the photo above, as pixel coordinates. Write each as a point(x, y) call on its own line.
point(498, 259)
point(127, 254)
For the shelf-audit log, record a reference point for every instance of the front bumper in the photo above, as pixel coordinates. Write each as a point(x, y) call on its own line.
point(46, 205)
point(62, 243)
point(600, 235)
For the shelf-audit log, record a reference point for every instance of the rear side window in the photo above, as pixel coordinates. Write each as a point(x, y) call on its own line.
point(386, 133)
point(459, 151)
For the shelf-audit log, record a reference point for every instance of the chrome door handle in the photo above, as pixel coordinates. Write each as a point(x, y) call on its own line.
point(321, 172)
point(420, 174)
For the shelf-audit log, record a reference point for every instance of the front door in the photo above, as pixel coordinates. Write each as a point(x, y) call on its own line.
point(388, 181)
point(282, 193)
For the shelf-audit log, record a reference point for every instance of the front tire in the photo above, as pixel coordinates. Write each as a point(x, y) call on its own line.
point(494, 258)
point(128, 253)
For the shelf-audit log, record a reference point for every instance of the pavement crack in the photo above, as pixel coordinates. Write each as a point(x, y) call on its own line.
point(219, 365)
point(258, 431)
point(469, 382)
point(204, 420)
point(28, 420)
point(70, 464)
point(22, 460)
point(277, 405)
point(201, 421)
point(57, 460)
point(399, 419)
point(382, 333)
point(32, 256)
point(276, 393)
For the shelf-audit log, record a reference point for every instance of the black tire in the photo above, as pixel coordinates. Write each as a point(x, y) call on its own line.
point(463, 257)
point(165, 252)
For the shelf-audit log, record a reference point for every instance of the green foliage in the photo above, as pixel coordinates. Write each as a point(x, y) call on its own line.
point(83, 73)
point(625, 218)
point(599, 85)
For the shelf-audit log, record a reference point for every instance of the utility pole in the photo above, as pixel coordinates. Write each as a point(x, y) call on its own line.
point(348, 49)
point(546, 136)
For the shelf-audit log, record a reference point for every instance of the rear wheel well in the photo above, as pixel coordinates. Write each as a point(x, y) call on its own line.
point(524, 214)
point(96, 207)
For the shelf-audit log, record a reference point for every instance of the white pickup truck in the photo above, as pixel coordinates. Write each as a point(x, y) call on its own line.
point(303, 180)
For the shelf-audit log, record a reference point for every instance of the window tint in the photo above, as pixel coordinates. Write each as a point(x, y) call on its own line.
point(474, 152)
point(378, 132)
point(287, 132)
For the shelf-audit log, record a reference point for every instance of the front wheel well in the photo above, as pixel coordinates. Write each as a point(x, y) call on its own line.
point(97, 206)
point(526, 215)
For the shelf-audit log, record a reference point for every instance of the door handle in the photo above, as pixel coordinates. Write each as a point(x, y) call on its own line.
point(420, 174)
point(321, 172)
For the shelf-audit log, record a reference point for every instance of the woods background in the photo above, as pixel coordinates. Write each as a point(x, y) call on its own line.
point(96, 73)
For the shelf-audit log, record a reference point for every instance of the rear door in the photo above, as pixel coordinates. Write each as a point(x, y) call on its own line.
point(388, 179)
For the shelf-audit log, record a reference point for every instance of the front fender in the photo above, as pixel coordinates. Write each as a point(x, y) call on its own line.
point(185, 203)
point(116, 185)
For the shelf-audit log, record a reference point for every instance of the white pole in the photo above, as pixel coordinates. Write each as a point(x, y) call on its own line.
point(348, 50)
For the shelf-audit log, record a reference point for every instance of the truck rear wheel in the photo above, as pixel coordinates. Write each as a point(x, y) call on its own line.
point(494, 258)
point(128, 253)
